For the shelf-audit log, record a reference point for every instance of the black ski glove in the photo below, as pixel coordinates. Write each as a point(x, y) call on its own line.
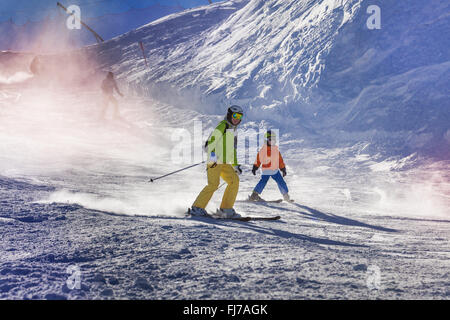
point(238, 169)
point(255, 168)
point(283, 170)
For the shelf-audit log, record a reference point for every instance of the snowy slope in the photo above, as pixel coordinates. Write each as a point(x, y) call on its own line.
point(75, 190)
point(312, 253)
point(75, 193)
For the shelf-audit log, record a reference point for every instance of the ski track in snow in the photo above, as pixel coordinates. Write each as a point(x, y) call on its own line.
point(93, 208)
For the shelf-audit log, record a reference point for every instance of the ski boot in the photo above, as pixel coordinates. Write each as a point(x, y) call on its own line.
point(255, 197)
point(227, 214)
point(198, 212)
point(287, 198)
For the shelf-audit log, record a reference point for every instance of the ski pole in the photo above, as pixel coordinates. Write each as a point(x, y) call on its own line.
point(194, 165)
point(221, 185)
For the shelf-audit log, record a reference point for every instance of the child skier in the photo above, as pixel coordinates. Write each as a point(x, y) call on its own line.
point(222, 162)
point(108, 86)
point(271, 161)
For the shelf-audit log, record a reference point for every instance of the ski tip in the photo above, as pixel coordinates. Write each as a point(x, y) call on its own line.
point(265, 218)
point(274, 218)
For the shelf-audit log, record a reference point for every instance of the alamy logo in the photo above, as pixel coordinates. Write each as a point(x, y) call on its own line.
point(74, 280)
point(189, 146)
point(374, 21)
point(74, 20)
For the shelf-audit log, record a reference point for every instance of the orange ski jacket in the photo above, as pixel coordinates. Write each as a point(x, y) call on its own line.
point(269, 158)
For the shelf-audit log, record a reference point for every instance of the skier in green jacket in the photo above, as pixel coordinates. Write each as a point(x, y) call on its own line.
point(222, 163)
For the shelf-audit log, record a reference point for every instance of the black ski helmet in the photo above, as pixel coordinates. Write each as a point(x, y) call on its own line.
point(233, 109)
point(270, 135)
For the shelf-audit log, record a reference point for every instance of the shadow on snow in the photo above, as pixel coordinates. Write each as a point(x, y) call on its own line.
point(315, 214)
point(263, 230)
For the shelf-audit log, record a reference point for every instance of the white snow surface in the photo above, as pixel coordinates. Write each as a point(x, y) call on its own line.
point(81, 197)
point(308, 66)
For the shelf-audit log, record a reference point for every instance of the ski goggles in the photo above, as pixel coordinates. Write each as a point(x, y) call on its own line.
point(237, 116)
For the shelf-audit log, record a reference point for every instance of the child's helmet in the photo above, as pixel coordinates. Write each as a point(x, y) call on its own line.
point(270, 135)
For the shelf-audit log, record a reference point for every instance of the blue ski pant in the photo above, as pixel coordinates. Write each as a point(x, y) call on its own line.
point(278, 179)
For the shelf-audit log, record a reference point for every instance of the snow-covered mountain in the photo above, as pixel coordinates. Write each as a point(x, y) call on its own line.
point(304, 64)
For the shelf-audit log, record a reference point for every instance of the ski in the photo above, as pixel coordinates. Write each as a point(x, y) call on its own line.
point(264, 218)
point(249, 218)
point(262, 201)
point(242, 219)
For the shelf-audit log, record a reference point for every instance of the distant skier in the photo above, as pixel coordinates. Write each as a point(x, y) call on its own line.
point(271, 161)
point(222, 162)
point(36, 66)
point(108, 86)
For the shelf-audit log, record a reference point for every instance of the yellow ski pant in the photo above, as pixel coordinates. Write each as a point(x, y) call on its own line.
point(228, 174)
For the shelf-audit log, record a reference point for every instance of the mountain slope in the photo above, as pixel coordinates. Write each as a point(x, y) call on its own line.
point(313, 62)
